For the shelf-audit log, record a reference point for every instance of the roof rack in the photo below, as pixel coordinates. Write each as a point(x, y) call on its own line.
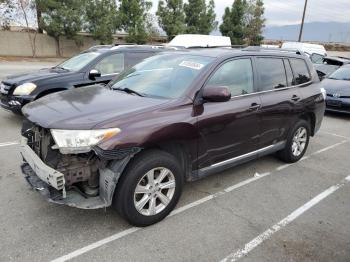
point(273, 49)
point(218, 46)
point(99, 47)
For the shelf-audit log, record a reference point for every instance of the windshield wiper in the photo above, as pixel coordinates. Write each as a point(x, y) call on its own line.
point(129, 91)
point(62, 68)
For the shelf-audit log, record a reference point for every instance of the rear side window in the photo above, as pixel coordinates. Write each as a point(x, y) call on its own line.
point(301, 72)
point(272, 73)
point(237, 75)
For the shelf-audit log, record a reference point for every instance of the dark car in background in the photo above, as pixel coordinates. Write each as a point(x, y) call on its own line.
point(97, 65)
point(325, 65)
point(173, 117)
point(337, 86)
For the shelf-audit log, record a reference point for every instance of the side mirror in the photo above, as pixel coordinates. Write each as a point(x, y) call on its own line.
point(94, 73)
point(216, 94)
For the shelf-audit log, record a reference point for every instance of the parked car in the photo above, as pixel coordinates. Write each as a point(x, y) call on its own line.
point(98, 64)
point(325, 65)
point(337, 86)
point(307, 48)
point(173, 117)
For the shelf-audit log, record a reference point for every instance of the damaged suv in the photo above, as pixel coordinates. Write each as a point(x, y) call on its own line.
point(174, 117)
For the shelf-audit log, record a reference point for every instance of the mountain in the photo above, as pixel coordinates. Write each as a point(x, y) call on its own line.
point(314, 31)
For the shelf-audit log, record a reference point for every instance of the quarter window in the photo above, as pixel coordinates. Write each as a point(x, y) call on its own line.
point(301, 72)
point(111, 65)
point(237, 75)
point(272, 73)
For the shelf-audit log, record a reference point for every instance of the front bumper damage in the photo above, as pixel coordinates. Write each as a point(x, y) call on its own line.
point(52, 185)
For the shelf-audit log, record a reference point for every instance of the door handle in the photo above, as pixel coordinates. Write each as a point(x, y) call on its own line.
point(295, 98)
point(254, 106)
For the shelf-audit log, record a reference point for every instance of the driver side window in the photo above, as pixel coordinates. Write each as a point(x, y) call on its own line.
point(111, 65)
point(237, 75)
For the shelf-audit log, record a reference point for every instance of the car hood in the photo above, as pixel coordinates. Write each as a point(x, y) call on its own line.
point(341, 87)
point(46, 73)
point(86, 108)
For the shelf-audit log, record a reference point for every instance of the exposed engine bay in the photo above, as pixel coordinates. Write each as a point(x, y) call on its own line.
point(81, 171)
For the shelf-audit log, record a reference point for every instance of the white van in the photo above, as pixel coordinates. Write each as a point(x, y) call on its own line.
point(307, 48)
point(191, 40)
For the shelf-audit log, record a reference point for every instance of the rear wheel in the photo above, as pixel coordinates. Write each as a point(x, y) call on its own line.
point(297, 142)
point(149, 189)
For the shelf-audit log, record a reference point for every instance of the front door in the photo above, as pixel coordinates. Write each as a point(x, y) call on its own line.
point(230, 129)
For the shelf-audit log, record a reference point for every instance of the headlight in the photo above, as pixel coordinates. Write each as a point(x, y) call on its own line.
point(24, 89)
point(324, 93)
point(81, 141)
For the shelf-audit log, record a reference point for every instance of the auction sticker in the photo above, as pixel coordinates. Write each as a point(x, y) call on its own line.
point(192, 65)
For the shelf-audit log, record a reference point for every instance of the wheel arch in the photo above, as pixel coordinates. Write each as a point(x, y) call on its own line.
point(310, 117)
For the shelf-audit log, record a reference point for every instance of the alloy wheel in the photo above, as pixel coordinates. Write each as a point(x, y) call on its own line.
point(154, 191)
point(299, 141)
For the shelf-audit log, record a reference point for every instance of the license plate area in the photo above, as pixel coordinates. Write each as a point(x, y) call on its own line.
point(334, 103)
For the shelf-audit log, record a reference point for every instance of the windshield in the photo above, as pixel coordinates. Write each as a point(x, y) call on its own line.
point(163, 76)
point(77, 62)
point(342, 73)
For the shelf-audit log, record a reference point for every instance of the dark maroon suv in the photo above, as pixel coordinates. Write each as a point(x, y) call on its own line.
point(174, 117)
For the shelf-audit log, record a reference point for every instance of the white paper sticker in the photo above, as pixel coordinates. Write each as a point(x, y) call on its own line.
point(192, 65)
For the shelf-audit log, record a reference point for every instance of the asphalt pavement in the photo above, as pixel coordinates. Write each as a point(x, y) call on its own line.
point(264, 210)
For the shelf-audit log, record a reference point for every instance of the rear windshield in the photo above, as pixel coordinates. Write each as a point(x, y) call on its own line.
point(163, 76)
point(342, 73)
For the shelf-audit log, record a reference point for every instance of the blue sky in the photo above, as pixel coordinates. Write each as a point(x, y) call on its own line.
point(283, 12)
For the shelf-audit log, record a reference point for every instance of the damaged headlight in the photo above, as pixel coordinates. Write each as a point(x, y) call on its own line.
point(80, 141)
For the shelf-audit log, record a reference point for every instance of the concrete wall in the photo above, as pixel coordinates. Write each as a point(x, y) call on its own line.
point(18, 44)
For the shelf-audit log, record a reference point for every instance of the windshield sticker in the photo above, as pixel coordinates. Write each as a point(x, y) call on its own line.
point(192, 65)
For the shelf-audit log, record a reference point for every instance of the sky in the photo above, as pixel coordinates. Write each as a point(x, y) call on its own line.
point(286, 12)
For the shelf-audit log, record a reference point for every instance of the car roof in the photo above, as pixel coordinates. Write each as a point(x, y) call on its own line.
point(344, 60)
point(220, 52)
point(127, 47)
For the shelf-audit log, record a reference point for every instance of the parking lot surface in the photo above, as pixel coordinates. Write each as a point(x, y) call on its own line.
point(264, 210)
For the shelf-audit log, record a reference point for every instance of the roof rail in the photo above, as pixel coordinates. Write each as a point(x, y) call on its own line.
point(218, 46)
point(259, 48)
point(99, 47)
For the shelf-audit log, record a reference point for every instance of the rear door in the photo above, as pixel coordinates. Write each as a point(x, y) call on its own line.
point(280, 99)
point(230, 129)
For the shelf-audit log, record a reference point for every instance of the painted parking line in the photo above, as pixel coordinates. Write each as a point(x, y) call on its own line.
point(284, 222)
point(179, 210)
point(9, 143)
point(333, 134)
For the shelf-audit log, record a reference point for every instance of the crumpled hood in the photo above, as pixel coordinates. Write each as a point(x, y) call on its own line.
point(86, 107)
point(46, 73)
point(341, 87)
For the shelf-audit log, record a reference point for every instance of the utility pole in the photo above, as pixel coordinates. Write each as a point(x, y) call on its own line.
point(302, 22)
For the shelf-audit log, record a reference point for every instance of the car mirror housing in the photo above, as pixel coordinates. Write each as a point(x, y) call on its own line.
point(94, 73)
point(216, 94)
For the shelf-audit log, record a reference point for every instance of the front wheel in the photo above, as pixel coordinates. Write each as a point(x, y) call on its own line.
point(149, 189)
point(297, 143)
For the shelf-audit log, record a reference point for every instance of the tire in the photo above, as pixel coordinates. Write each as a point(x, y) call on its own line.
point(293, 150)
point(149, 206)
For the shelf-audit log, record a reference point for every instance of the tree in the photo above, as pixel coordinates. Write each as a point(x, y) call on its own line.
point(25, 7)
point(233, 22)
point(133, 14)
point(171, 17)
point(255, 22)
point(200, 17)
point(7, 14)
point(61, 18)
point(102, 19)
